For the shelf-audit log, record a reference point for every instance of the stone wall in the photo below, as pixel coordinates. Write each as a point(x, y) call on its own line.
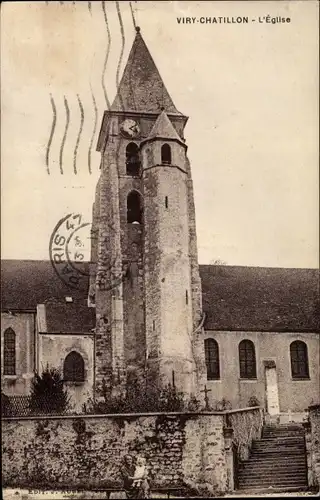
point(87, 452)
point(313, 446)
point(247, 426)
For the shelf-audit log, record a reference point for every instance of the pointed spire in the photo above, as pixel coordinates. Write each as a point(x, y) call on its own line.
point(141, 88)
point(163, 128)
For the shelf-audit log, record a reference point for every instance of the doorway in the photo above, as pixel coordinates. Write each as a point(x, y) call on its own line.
point(272, 392)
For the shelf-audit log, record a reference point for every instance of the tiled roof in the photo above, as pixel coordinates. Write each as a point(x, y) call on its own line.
point(234, 297)
point(260, 298)
point(62, 317)
point(141, 88)
point(27, 283)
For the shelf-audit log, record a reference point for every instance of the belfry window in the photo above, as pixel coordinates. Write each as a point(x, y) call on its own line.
point(247, 359)
point(166, 154)
point(211, 350)
point(134, 208)
point(132, 160)
point(299, 359)
point(73, 368)
point(9, 352)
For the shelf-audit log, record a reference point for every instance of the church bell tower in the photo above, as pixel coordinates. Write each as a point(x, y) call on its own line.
point(144, 280)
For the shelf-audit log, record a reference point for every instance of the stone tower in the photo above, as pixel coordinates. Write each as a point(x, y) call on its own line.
point(144, 278)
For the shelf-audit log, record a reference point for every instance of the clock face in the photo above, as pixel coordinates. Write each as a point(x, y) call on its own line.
point(130, 128)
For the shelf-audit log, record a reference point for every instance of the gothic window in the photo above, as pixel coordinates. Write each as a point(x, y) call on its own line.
point(134, 208)
point(132, 159)
point(166, 154)
point(211, 350)
point(247, 359)
point(299, 359)
point(73, 368)
point(9, 352)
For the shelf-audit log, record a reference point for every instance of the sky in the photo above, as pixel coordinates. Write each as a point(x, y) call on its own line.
point(250, 92)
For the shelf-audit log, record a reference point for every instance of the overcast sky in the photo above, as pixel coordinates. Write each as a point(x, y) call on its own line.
point(250, 91)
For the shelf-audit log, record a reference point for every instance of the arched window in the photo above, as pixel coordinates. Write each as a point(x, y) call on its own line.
point(211, 350)
point(132, 159)
point(73, 368)
point(166, 154)
point(247, 359)
point(134, 208)
point(299, 359)
point(9, 352)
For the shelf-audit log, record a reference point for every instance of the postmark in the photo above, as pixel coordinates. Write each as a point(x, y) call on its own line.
point(69, 249)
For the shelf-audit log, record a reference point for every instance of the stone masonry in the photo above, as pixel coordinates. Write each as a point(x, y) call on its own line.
point(145, 280)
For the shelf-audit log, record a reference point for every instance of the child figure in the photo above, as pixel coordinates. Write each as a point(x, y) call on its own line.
point(139, 473)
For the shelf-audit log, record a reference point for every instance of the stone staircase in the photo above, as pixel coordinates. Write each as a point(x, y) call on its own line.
point(277, 461)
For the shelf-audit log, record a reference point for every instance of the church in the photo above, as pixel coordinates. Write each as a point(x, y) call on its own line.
point(149, 313)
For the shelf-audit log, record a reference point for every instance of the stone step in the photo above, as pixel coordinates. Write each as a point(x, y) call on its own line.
point(291, 426)
point(265, 461)
point(272, 467)
point(270, 489)
point(280, 439)
point(271, 474)
point(276, 454)
point(279, 444)
point(279, 451)
point(289, 440)
point(275, 444)
point(282, 436)
point(272, 482)
point(284, 432)
point(299, 430)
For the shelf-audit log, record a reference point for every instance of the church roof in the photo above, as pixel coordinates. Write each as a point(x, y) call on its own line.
point(260, 298)
point(163, 128)
point(234, 297)
point(27, 283)
point(141, 88)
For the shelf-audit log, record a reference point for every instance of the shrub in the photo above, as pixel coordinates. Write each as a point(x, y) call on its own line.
point(223, 405)
point(47, 392)
point(137, 400)
point(253, 401)
point(6, 409)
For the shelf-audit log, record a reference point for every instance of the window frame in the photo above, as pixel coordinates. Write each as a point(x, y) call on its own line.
point(212, 356)
point(244, 354)
point(9, 353)
point(130, 210)
point(137, 163)
point(302, 372)
point(166, 152)
point(75, 379)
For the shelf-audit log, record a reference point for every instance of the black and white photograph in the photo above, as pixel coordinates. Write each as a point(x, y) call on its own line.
point(160, 297)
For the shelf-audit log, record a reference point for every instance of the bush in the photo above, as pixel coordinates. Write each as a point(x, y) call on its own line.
point(223, 405)
point(138, 400)
point(6, 408)
point(253, 401)
point(47, 392)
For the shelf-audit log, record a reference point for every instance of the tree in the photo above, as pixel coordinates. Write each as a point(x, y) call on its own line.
point(218, 262)
point(47, 392)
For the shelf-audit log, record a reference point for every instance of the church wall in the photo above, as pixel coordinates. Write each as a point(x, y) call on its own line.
point(23, 325)
point(53, 350)
point(294, 395)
